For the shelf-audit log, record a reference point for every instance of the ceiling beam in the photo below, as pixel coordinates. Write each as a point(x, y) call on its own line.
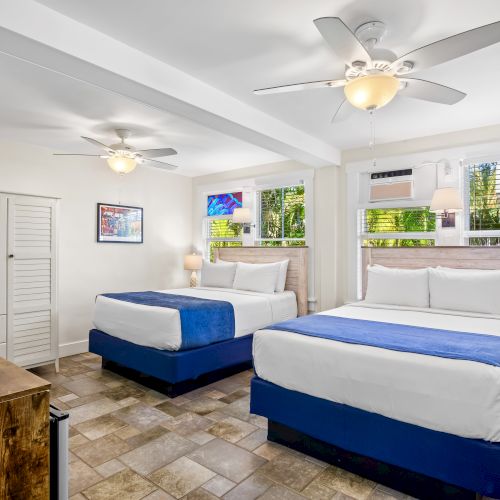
point(39, 35)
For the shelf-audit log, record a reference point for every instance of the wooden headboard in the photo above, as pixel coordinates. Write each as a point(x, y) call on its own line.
point(296, 279)
point(419, 257)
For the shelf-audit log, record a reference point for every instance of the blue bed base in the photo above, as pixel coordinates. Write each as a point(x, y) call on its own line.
point(467, 463)
point(172, 367)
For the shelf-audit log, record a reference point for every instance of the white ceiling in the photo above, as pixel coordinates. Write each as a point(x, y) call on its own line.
point(51, 110)
point(239, 45)
point(230, 47)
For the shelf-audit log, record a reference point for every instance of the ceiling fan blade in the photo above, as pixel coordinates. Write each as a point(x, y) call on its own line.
point(74, 154)
point(430, 91)
point(342, 112)
point(342, 40)
point(451, 47)
point(98, 144)
point(157, 153)
point(158, 164)
point(301, 86)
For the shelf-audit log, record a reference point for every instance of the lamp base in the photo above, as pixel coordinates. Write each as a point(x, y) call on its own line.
point(193, 282)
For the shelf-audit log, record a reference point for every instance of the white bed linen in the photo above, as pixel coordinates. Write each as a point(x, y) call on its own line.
point(160, 327)
point(453, 396)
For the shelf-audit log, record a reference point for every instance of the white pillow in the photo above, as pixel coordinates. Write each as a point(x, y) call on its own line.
point(398, 287)
point(256, 277)
point(280, 283)
point(281, 279)
point(220, 275)
point(472, 290)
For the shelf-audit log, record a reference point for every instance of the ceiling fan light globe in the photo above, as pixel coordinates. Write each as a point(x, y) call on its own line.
point(371, 91)
point(122, 164)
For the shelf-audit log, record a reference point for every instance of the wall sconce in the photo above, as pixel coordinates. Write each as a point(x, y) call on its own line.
point(243, 216)
point(445, 202)
point(193, 263)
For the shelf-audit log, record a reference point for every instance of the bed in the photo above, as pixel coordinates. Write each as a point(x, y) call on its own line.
point(418, 422)
point(147, 339)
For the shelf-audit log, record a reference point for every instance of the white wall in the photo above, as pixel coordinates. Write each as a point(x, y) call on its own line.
point(330, 258)
point(87, 268)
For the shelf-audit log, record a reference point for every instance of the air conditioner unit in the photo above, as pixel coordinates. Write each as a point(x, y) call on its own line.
point(391, 185)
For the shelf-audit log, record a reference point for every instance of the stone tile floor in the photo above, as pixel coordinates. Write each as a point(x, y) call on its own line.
point(128, 442)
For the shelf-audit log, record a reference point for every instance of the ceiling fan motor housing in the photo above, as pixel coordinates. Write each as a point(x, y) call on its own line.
point(370, 33)
point(122, 147)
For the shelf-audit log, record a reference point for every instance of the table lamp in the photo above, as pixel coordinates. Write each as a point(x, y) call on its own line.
point(192, 263)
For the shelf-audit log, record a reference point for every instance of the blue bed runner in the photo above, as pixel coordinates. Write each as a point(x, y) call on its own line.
point(203, 321)
point(430, 341)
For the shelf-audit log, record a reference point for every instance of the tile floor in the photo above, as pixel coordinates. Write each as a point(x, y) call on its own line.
point(128, 442)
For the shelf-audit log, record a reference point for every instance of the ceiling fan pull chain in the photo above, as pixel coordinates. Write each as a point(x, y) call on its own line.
point(372, 137)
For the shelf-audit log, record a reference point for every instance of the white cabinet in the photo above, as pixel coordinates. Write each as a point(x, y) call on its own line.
point(28, 277)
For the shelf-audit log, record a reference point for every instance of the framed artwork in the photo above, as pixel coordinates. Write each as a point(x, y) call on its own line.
point(224, 204)
point(119, 224)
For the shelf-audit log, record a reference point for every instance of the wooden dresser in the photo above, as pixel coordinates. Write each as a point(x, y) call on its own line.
point(24, 434)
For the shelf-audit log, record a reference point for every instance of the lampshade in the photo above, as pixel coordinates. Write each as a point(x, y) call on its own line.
point(122, 164)
point(447, 198)
point(242, 216)
point(371, 91)
point(192, 262)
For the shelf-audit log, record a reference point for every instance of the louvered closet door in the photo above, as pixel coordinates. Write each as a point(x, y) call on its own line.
point(31, 280)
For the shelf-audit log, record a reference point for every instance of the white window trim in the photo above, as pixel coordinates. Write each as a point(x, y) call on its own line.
point(257, 239)
point(467, 232)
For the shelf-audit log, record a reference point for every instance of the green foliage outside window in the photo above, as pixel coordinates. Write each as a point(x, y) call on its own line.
point(283, 243)
point(224, 228)
point(398, 220)
point(282, 216)
point(484, 197)
point(398, 243)
point(223, 233)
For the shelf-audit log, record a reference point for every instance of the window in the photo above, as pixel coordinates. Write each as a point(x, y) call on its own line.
point(219, 228)
point(397, 227)
point(222, 233)
point(223, 204)
point(281, 216)
point(482, 193)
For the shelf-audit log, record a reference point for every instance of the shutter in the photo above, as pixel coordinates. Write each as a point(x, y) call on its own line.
point(31, 297)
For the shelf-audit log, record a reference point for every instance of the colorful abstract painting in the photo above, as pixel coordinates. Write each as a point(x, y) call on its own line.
point(223, 204)
point(119, 224)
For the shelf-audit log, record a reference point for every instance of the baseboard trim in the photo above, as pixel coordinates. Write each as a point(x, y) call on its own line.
point(71, 348)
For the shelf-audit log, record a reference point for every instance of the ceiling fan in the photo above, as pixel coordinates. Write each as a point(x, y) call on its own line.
point(123, 157)
point(374, 76)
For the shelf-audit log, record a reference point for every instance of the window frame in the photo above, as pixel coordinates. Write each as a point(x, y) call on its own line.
point(258, 207)
point(400, 235)
point(207, 240)
point(469, 233)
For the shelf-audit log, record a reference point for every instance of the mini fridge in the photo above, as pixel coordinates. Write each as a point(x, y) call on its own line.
point(59, 474)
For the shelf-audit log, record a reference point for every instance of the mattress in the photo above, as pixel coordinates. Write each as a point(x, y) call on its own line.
point(160, 327)
point(454, 396)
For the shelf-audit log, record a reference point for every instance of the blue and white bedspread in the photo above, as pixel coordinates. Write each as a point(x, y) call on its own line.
point(203, 321)
point(397, 337)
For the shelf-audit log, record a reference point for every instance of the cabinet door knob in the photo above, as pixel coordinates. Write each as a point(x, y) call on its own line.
point(11, 256)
